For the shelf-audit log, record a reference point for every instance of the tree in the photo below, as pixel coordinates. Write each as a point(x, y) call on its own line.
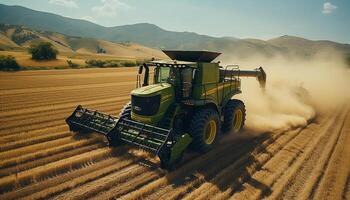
point(8, 63)
point(43, 51)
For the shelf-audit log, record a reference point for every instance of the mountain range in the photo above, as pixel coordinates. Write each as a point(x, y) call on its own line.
point(17, 37)
point(153, 36)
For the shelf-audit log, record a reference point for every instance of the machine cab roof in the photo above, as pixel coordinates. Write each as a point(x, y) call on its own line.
point(182, 59)
point(192, 56)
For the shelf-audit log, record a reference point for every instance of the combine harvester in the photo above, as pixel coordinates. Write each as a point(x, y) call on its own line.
point(189, 103)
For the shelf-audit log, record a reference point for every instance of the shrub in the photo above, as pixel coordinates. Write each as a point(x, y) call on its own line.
point(71, 64)
point(101, 50)
point(43, 51)
point(95, 63)
point(111, 64)
point(20, 38)
point(102, 63)
point(128, 64)
point(8, 63)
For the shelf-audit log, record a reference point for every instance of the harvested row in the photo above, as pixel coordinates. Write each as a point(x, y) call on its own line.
point(56, 118)
point(34, 140)
point(39, 115)
point(334, 180)
point(125, 175)
point(175, 193)
point(55, 185)
point(245, 149)
point(46, 155)
point(32, 97)
point(282, 161)
point(35, 148)
point(41, 159)
point(71, 96)
point(147, 178)
point(241, 168)
point(304, 174)
point(187, 168)
point(88, 172)
point(31, 134)
point(337, 174)
point(117, 170)
point(59, 106)
point(54, 168)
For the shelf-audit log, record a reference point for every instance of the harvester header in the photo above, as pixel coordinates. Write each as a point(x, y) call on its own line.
point(189, 103)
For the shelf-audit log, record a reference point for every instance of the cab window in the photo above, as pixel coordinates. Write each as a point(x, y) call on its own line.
point(163, 74)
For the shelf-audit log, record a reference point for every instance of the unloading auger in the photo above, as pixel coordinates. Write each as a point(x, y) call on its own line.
point(189, 103)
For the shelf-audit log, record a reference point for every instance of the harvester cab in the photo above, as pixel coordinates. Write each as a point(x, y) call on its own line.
point(188, 104)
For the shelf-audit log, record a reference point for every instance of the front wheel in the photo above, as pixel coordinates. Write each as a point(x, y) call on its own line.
point(204, 129)
point(234, 116)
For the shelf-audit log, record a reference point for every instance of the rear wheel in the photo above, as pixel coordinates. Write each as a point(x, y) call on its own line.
point(204, 128)
point(234, 116)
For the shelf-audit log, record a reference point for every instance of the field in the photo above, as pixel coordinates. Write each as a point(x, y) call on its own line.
point(40, 158)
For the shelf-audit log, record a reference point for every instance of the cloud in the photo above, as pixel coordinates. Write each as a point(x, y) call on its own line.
point(106, 12)
point(109, 8)
point(65, 3)
point(328, 8)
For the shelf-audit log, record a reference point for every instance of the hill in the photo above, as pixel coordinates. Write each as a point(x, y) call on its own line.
point(14, 37)
point(153, 36)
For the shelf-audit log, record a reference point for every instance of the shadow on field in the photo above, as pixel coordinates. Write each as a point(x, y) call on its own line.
point(229, 164)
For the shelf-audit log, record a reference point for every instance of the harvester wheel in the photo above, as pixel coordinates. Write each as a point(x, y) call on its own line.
point(204, 129)
point(126, 111)
point(234, 116)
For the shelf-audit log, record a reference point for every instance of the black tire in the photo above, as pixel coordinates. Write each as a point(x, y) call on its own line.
point(231, 108)
point(199, 127)
point(126, 111)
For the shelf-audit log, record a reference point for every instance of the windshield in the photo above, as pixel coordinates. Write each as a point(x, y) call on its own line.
point(173, 75)
point(165, 74)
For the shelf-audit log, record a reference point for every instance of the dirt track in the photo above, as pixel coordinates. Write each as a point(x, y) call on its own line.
point(40, 158)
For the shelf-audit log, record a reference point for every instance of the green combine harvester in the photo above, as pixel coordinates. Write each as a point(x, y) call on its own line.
point(188, 105)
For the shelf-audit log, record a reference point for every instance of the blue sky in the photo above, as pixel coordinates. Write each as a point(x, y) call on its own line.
point(263, 19)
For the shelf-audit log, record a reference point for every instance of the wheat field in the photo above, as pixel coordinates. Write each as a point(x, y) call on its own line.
point(41, 159)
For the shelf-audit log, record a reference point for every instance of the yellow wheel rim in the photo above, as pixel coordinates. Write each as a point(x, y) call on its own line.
point(210, 132)
point(237, 120)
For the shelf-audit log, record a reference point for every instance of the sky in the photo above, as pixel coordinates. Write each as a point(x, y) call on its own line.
point(262, 19)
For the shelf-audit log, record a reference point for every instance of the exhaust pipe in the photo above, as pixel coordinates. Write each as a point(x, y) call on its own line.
point(146, 77)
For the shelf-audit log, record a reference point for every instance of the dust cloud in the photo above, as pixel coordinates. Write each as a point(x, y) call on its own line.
point(297, 90)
